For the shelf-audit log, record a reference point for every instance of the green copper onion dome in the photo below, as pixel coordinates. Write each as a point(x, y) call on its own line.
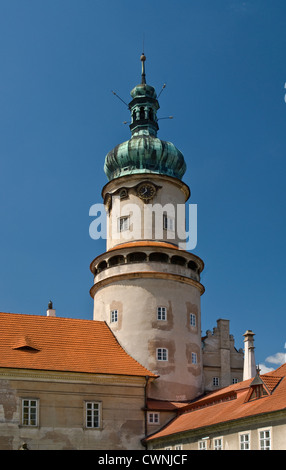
point(144, 152)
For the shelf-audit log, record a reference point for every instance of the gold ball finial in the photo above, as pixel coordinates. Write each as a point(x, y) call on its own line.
point(143, 58)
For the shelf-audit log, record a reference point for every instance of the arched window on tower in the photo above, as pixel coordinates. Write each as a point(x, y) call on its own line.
point(142, 112)
point(151, 114)
point(136, 257)
point(159, 257)
point(102, 265)
point(178, 260)
point(115, 260)
point(192, 265)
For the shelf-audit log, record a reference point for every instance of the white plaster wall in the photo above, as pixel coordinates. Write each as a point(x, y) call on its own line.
point(140, 333)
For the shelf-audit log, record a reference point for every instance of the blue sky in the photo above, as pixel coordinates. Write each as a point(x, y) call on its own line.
point(224, 65)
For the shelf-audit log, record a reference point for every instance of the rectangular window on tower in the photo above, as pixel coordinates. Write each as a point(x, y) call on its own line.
point(162, 313)
point(194, 358)
point(168, 223)
point(192, 319)
point(162, 354)
point(123, 224)
point(113, 316)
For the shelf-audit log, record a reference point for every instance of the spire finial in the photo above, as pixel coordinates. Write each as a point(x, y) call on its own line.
point(143, 79)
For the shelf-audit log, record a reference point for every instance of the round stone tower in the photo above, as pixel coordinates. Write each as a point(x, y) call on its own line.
point(146, 285)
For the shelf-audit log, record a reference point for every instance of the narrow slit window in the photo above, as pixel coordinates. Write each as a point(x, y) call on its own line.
point(168, 223)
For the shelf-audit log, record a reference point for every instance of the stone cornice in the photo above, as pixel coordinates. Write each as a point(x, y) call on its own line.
point(70, 377)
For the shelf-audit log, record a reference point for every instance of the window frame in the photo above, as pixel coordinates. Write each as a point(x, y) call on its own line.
point(114, 316)
point(179, 447)
point(218, 443)
point(92, 409)
point(194, 358)
point(262, 440)
point(193, 320)
point(121, 221)
point(153, 417)
point(168, 223)
point(162, 313)
point(216, 381)
point(163, 353)
point(202, 444)
point(243, 444)
point(30, 409)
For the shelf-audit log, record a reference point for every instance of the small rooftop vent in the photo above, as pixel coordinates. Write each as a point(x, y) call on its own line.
point(51, 311)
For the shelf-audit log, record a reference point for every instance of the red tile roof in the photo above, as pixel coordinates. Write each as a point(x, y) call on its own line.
point(229, 404)
point(63, 344)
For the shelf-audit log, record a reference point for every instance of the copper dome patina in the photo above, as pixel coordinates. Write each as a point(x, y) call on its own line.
point(144, 152)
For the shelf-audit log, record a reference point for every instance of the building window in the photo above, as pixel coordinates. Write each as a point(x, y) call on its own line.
point(194, 358)
point(179, 447)
point(162, 354)
point(218, 444)
point(244, 442)
point(265, 439)
point(168, 223)
point(192, 319)
point(202, 445)
point(153, 418)
point(162, 313)
point(215, 381)
point(29, 412)
point(114, 316)
point(123, 224)
point(92, 414)
point(234, 380)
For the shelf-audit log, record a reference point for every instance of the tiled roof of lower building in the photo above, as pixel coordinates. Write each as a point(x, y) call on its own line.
point(63, 344)
point(229, 404)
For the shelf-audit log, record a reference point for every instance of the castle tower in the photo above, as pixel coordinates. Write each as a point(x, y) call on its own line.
point(146, 285)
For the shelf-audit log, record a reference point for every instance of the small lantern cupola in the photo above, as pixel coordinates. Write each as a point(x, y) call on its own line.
point(144, 106)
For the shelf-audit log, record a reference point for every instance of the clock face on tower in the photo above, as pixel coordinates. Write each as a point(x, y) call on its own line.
point(146, 191)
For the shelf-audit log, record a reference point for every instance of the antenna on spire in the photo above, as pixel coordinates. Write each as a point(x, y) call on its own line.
point(120, 98)
point(164, 86)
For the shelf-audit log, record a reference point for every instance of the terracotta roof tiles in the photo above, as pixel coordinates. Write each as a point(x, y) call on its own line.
point(229, 404)
point(63, 344)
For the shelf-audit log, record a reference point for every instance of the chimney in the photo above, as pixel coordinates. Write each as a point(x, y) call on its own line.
point(249, 367)
point(51, 312)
